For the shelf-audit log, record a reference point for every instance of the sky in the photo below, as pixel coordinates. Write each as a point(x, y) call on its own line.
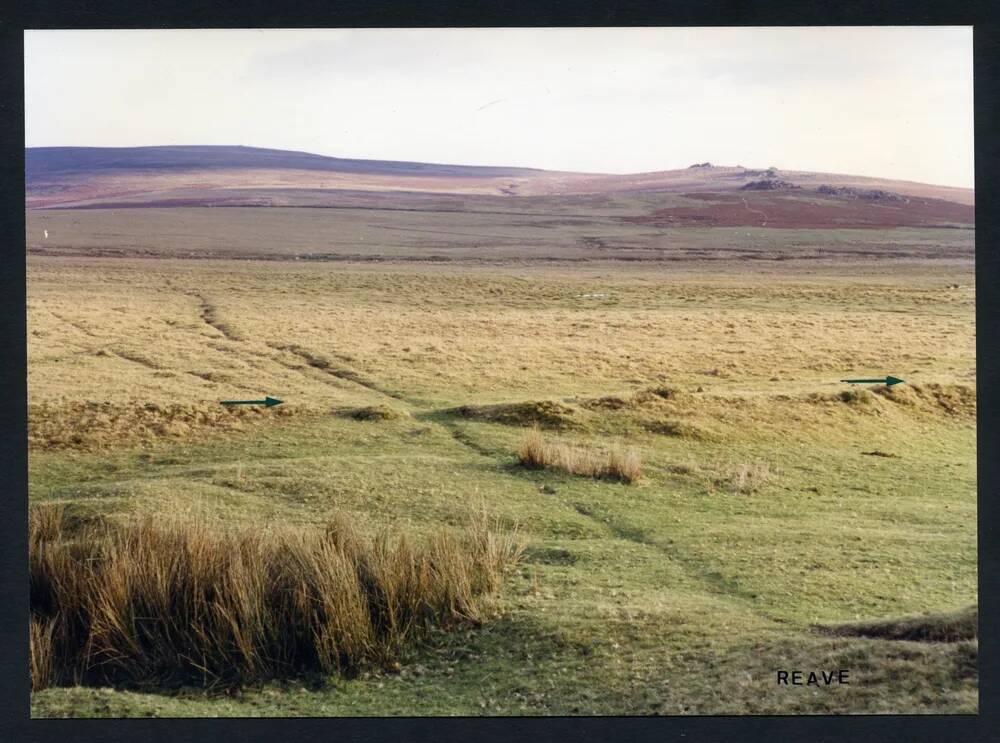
point(893, 102)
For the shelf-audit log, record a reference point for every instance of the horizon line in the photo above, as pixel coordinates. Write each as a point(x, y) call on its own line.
point(484, 166)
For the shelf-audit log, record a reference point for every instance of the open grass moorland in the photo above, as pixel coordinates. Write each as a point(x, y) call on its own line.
point(771, 518)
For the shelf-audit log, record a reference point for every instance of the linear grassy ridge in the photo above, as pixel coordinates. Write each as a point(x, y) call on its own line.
point(185, 602)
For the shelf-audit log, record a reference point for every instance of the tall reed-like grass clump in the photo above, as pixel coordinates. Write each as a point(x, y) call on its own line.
point(618, 463)
point(184, 602)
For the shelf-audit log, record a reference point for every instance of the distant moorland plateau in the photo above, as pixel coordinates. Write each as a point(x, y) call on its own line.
point(86, 177)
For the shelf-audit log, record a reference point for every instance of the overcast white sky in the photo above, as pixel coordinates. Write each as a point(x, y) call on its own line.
point(893, 102)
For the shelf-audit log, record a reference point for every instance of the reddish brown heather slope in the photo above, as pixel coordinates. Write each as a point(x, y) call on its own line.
point(808, 209)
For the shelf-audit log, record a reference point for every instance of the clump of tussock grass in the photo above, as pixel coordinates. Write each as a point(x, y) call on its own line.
point(41, 666)
point(375, 413)
point(542, 413)
point(746, 477)
point(856, 397)
point(953, 626)
point(617, 463)
point(663, 392)
point(46, 523)
point(190, 602)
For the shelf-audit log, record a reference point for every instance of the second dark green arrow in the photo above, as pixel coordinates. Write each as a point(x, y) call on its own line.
point(269, 402)
point(887, 381)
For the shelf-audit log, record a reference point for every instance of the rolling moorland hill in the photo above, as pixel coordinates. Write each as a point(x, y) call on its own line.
point(85, 177)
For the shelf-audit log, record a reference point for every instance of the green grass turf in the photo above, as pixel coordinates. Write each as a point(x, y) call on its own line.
point(673, 596)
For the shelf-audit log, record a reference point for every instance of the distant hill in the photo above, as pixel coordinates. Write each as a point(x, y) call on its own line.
point(208, 175)
point(42, 162)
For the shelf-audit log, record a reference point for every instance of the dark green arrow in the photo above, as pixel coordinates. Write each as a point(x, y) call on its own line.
point(268, 401)
point(887, 381)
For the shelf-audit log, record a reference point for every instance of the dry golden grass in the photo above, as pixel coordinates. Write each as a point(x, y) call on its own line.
point(618, 463)
point(124, 330)
point(535, 452)
point(735, 351)
point(192, 602)
point(747, 477)
point(40, 647)
point(89, 425)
